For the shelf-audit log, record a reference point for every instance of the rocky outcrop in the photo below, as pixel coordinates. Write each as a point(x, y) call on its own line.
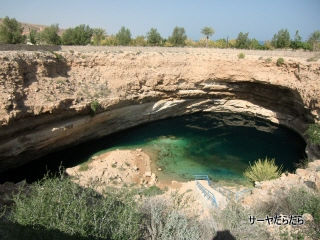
point(47, 98)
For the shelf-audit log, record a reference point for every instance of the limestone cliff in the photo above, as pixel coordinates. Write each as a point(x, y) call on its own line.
point(46, 97)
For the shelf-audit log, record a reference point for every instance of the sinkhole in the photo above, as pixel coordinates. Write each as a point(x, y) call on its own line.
point(221, 145)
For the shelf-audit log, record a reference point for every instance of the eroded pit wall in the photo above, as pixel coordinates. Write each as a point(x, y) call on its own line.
point(46, 98)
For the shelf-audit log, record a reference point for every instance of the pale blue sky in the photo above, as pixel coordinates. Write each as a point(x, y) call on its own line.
point(261, 18)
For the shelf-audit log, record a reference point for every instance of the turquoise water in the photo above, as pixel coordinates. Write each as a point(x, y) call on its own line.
point(218, 145)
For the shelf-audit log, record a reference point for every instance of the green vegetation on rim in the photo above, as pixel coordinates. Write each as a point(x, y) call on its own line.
point(11, 32)
point(57, 208)
point(262, 170)
point(299, 200)
point(313, 132)
point(59, 204)
point(94, 105)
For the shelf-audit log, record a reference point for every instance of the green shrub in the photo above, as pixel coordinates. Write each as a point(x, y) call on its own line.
point(295, 201)
point(59, 204)
point(162, 221)
point(268, 60)
point(303, 200)
point(235, 218)
point(58, 56)
point(263, 170)
point(94, 105)
point(280, 61)
point(152, 191)
point(241, 55)
point(313, 132)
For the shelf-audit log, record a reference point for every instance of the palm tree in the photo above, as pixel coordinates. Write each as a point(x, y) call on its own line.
point(207, 31)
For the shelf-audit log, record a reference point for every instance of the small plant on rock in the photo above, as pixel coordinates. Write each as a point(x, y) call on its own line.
point(268, 60)
point(241, 55)
point(313, 133)
point(94, 105)
point(263, 170)
point(280, 61)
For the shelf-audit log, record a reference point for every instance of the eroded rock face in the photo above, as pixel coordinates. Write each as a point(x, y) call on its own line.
point(45, 98)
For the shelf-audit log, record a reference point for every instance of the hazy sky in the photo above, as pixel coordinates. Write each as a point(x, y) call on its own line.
point(261, 18)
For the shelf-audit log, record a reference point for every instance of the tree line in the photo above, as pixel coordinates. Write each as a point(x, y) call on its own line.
point(11, 32)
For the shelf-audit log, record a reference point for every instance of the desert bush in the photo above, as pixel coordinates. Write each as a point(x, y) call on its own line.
point(162, 221)
point(303, 200)
point(59, 204)
point(280, 61)
point(268, 60)
point(151, 191)
point(58, 56)
point(241, 55)
point(235, 218)
point(313, 133)
point(296, 201)
point(11, 31)
point(263, 170)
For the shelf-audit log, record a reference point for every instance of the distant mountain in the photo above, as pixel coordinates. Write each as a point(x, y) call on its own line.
point(27, 27)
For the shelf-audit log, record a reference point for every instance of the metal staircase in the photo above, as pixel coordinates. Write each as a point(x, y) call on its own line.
point(230, 195)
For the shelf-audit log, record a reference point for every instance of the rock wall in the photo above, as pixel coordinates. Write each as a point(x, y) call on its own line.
point(46, 98)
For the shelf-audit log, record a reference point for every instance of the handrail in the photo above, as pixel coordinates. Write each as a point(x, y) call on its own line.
point(202, 177)
point(224, 191)
point(209, 195)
